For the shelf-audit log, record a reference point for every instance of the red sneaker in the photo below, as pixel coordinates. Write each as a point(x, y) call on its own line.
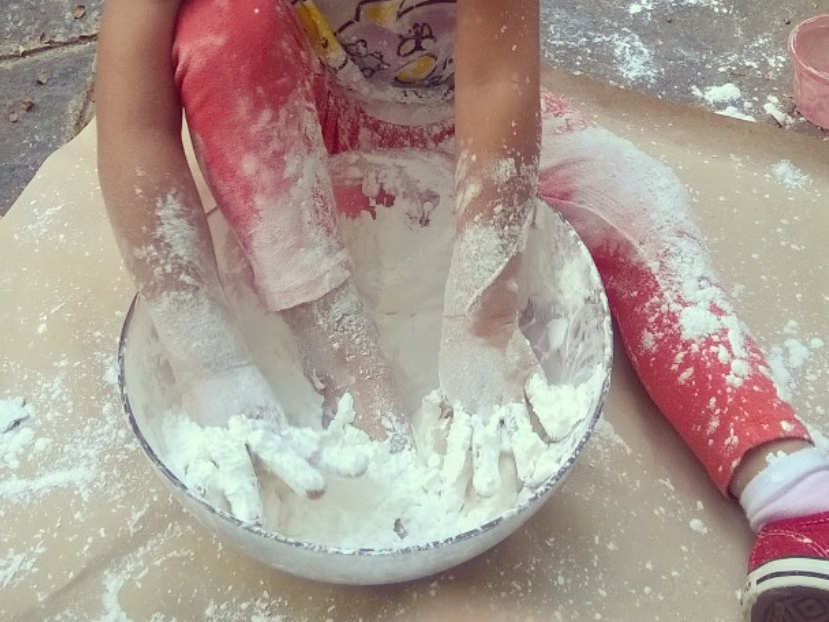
point(788, 572)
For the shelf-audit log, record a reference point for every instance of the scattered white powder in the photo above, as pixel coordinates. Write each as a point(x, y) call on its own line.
point(697, 322)
point(649, 5)
point(634, 59)
point(42, 221)
point(772, 108)
point(724, 99)
point(784, 360)
point(698, 526)
point(15, 435)
point(716, 5)
point(32, 464)
point(794, 360)
point(787, 174)
point(9, 567)
point(88, 463)
point(13, 411)
point(638, 7)
point(735, 113)
point(771, 457)
point(721, 94)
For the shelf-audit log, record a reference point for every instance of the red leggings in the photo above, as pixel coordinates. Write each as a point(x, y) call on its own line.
point(264, 116)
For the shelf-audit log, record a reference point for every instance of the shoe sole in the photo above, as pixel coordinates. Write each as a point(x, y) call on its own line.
point(788, 590)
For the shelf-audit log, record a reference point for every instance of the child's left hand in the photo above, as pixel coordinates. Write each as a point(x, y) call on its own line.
point(484, 362)
point(484, 359)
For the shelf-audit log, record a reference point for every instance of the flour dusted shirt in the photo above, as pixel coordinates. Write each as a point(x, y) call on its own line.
point(391, 49)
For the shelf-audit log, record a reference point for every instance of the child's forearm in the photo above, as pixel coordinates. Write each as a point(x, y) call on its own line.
point(497, 107)
point(150, 194)
point(162, 232)
point(497, 159)
point(498, 140)
point(156, 214)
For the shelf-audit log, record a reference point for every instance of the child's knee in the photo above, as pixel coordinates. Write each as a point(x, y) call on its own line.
point(612, 192)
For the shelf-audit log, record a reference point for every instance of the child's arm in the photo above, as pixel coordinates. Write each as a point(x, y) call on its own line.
point(497, 107)
point(497, 110)
point(156, 213)
point(161, 228)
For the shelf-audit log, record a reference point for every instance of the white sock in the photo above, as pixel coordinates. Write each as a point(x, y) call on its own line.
point(790, 486)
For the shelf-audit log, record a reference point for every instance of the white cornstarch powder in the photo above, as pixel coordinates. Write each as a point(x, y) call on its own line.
point(15, 437)
point(787, 174)
point(413, 496)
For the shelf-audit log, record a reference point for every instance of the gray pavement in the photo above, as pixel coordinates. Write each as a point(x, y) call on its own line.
point(47, 50)
point(725, 55)
point(729, 56)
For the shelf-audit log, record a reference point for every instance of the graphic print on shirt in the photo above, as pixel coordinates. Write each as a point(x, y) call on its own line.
point(410, 42)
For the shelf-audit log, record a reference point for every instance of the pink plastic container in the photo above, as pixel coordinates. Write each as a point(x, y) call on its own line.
point(809, 50)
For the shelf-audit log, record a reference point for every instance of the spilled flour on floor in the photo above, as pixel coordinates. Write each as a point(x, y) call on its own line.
point(788, 175)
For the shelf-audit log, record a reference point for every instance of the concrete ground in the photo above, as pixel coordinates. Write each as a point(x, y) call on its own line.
point(726, 55)
point(47, 51)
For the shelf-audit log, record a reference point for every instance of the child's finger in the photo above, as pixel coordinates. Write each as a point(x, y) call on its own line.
point(191, 461)
point(288, 462)
point(457, 463)
point(527, 446)
point(486, 452)
point(199, 476)
point(236, 479)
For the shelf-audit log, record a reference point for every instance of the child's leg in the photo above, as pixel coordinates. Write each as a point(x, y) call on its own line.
point(255, 100)
point(696, 359)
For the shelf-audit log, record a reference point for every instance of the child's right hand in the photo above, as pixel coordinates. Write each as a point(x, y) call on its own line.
point(242, 390)
point(243, 425)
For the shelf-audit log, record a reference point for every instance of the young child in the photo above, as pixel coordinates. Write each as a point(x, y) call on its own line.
point(270, 88)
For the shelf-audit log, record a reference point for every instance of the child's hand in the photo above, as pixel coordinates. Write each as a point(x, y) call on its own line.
point(244, 426)
point(484, 362)
point(340, 345)
point(490, 390)
point(484, 366)
point(226, 468)
point(212, 400)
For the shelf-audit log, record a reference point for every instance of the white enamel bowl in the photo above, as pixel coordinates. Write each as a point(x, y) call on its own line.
point(566, 320)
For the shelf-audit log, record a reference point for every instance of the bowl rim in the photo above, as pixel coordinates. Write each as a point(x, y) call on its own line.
point(273, 536)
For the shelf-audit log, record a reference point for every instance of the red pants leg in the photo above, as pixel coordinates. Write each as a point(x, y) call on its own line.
point(696, 359)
